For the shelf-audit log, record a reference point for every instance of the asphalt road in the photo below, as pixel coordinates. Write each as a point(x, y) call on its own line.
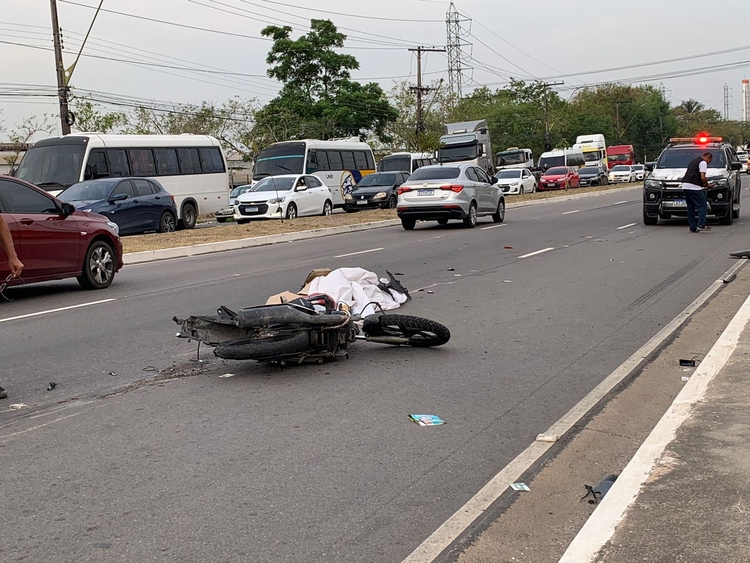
point(320, 463)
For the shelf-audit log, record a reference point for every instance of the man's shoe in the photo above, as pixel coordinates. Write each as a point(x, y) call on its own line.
point(695, 231)
point(704, 228)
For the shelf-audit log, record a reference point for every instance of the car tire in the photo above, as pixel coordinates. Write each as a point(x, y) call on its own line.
point(648, 220)
point(243, 221)
point(520, 190)
point(442, 222)
point(499, 215)
point(291, 212)
point(408, 224)
point(167, 223)
point(471, 218)
point(736, 213)
point(535, 188)
point(392, 202)
point(98, 266)
point(222, 219)
point(350, 210)
point(189, 217)
point(327, 208)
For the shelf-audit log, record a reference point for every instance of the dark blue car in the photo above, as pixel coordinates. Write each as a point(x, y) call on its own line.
point(137, 205)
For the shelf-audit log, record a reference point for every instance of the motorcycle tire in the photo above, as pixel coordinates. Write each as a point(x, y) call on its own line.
point(265, 348)
point(420, 332)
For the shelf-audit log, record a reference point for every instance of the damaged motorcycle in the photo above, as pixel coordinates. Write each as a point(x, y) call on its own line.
point(311, 328)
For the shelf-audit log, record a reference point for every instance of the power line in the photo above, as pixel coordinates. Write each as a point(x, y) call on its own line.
point(318, 10)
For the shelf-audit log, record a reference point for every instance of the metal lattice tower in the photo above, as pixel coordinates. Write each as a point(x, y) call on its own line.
point(454, 47)
point(727, 102)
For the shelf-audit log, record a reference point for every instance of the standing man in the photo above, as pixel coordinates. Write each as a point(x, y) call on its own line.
point(693, 185)
point(15, 265)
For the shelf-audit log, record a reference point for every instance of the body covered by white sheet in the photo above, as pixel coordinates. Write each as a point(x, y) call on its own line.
point(357, 288)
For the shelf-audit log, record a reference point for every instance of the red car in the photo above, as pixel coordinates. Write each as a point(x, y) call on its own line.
point(54, 240)
point(559, 178)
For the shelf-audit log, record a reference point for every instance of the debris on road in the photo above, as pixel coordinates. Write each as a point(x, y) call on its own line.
point(600, 240)
point(597, 493)
point(151, 368)
point(18, 406)
point(507, 247)
point(551, 438)
point(427, 419)
point(507, 281)
point(227, 376)
point(730, 278)
point(3, 393)
point(51, 386)
point(430, 292)
point(687, 363)
point(451, 269)
point(685, 378)
point(520, 487)
point(740, 254)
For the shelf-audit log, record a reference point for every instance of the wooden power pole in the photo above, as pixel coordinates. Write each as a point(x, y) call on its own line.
point(419, 89)
point(62, 87)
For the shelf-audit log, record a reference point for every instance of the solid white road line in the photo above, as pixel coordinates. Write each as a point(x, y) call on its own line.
point(602, 523)
point(619, 202)
point(494, 226)
point(626, 226)
point(543, 250)
point(571, 212)
point(452, 528)
point(360, 252)
point(55, 310)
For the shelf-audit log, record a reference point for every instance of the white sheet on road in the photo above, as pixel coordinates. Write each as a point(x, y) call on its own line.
point(357, 288)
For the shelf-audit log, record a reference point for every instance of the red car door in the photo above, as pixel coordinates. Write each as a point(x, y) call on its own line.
point(49, 242)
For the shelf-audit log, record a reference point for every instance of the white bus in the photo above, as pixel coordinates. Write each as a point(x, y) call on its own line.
point(339, 164)
point(190, 167)
point(594, 149)
point(405, 161)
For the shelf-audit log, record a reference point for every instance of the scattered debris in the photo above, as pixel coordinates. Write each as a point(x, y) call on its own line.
point(18, 406)
point(520, 487)
point(566, 246)
point(398, 274)
point(730, 279)
point(687, 363)
point(430, 292)
point(227, 376)
point(3, 393)
point(51, 386)
point(507, 281)
point(597, 493)
point(547, 438)
point(151, 368)
point(507, 247)
point(456, 275)
point(685, 378)
point(740, 254)
point(427, 419)
point(600, 240)
point(451, 269)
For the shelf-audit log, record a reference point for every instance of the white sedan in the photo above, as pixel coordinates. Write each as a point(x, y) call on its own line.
point(640, 171)
point(284, 197)
point(516, 181)
point(622, 173)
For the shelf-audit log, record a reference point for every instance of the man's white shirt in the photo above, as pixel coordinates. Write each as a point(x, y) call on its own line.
point(702, 167)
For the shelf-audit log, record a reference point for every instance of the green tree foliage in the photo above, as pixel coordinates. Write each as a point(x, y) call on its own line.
point(436, 108)
point(89, 118)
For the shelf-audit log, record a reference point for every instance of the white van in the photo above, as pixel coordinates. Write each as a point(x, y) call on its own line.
point(562, 157)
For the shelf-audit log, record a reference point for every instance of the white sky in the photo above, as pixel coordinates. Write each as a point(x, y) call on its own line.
point(571, 36)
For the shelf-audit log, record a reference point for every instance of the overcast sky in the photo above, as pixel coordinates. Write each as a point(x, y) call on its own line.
point(531, 39)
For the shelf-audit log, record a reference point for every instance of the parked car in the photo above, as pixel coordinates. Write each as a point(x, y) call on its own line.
point(640, 171)
point(137, 205)
point(593, 176)
point(284, 197)
point(743, 157)
point(559, 178)
point(224, 215)
point(621, 173)
point(54, 240)
point(441, 193)
point(516, 181)
point(375, 190)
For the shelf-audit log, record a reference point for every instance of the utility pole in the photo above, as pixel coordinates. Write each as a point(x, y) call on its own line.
point(62, 87)
point(617, 117)
point(419, 89)
point(547, 139)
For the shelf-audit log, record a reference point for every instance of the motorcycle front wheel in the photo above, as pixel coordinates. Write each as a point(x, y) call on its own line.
point(264, 348)
point(417, 331)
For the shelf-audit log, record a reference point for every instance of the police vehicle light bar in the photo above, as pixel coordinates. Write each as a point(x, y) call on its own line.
point(701, 139)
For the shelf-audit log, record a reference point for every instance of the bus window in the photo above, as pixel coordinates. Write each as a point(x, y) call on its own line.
point(312, 162)
point(118, 163)
point(211, 160)
point(370, 160)
point(142, 162)
point(166, 162)
point(189, 161)
point(347, 160)
point(323, 161)
point(360, 160)
point(334, 160)
point(97, 165)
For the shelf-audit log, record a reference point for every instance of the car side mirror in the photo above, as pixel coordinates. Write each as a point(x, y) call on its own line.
point(300, 188)
point(649, 166)
point(493, 180)
point(736, 166)
point(118, 197)
point(67, 208)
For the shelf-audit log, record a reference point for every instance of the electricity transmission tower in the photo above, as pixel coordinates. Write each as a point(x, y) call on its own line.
point(727, 102)
point(455, 45)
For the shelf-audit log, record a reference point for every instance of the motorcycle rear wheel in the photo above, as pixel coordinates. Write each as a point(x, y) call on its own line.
point(420, 332)
point(264, 348)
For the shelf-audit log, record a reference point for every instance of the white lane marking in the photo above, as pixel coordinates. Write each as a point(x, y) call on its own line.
point(452, 528)
point(571, 212)
point(360, 252)
point(537, 252)
point(55, 310)
point(619, 202)
point(494, 226)
point(626, 226)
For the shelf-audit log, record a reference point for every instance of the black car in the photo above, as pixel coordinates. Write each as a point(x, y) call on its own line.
point(137, 205)
point(376, 190)
point(593, 176)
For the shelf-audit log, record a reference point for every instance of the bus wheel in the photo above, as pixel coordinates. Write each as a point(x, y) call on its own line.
point(189, 216)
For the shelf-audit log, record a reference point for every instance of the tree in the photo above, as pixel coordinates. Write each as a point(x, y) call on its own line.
point(402, 132)
point(21, 136)
point(691, 106)
point(90, 118)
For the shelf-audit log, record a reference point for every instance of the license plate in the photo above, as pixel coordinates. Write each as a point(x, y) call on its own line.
point(425, 192)
point(248, 209)
point(679, 203)
point(362, 202)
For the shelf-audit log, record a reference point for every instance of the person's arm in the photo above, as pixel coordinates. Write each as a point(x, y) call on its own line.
point(6, 242)
point(703, 167)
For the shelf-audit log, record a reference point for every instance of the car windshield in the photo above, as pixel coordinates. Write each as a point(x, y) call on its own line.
point(508, 174)
point(457, 153)
point(240, 190)
point(550, 161)
point(274, 185)
point(506, 158)
point(680, 158)
point(377, 180)
point(557, 171)
point(284, 158)
point(52, 165)
point(401, 163)
point(88, 191)
point(621, 168)
point(439, 173)
point(589, 171)
point(638, 167)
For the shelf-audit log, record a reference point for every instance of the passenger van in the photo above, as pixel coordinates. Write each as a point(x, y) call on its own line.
point(562, 157)
point(405, 161)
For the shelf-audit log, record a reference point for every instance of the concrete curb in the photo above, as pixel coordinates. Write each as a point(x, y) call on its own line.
point(210, 247)
point(603, 522)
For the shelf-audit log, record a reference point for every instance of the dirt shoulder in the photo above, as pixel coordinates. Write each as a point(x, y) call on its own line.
point(233, 231)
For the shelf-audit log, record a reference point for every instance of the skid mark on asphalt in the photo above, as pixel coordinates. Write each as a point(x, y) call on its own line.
point(663, 285)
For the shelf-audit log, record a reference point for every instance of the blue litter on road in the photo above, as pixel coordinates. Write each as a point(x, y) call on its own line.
point(427, 419)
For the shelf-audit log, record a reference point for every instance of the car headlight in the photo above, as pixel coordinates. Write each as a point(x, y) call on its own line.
point(515, 184)
point(720, 182)
point(114, 227)
point(380, 195)
point(652, 184)
point(348, 197)
point(277, 200)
